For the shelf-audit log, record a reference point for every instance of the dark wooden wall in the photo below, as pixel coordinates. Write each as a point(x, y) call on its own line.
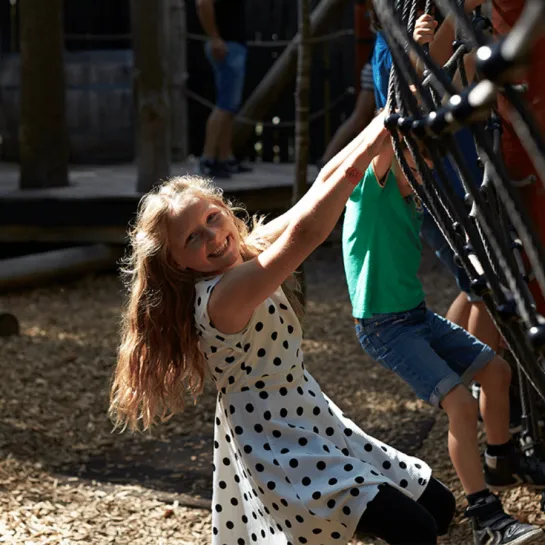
point(333, 72)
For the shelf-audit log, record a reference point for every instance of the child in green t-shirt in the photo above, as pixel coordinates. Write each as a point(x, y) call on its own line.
point(438, 359)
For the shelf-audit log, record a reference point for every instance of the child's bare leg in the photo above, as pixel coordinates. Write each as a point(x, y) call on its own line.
point(495, 379)
point(463, 445)
point(481, 325)
point(459, 311)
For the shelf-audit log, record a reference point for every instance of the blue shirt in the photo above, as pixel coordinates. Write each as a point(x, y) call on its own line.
point(381, 62)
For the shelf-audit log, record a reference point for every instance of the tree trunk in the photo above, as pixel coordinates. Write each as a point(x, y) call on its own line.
point(302, 99)
point(43, 136)
point(282, 72)
point(178, 79)
point(152, 102)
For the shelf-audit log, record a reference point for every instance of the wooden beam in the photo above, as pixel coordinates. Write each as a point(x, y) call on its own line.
point(8, 324)
point(37, 269)
point(282, 72)
point(152, 101)
point(178, 79)
point(43, 136)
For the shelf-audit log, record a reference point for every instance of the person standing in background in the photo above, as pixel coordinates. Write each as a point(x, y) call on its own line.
point(224, 23)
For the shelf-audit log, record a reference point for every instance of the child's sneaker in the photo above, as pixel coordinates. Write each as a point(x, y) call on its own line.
point(514, 469)
point(492, 526)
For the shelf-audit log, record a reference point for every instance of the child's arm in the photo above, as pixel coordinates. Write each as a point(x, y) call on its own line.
point(274, 228)
point(244, 287)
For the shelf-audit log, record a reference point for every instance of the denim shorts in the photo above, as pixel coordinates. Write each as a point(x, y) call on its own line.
point(437, 242)
point(229, 75)
point(428, 352)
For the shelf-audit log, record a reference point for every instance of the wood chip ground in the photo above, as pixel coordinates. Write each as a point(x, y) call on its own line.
point(66, 478)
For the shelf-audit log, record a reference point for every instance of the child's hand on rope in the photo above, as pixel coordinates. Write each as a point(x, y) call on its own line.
point(424, 29)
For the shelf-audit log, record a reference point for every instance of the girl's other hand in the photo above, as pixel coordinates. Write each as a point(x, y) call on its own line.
point(424, 29)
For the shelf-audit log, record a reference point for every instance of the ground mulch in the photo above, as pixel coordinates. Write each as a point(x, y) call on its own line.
point(65, 477)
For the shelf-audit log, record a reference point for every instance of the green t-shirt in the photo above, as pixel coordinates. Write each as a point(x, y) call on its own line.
point(382, 248)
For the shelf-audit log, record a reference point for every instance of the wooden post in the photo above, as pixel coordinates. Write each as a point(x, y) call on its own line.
point(302, 99)
point(152, 103)
point(282, 72)
point(178, 79)
point(43, 136)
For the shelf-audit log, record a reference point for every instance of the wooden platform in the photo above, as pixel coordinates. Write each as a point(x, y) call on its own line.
point(101, 200)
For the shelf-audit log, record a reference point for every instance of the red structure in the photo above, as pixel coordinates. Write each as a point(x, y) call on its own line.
point(505, 14)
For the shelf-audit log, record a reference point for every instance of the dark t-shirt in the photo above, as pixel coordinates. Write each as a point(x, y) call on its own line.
point(231, 20)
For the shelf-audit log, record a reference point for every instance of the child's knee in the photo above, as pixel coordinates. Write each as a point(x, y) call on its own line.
point(495, 376)
point(459, 404)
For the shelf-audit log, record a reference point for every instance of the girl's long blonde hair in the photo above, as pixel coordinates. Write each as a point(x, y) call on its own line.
point(159, 357)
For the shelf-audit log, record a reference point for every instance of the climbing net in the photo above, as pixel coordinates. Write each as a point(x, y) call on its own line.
point(489, 230)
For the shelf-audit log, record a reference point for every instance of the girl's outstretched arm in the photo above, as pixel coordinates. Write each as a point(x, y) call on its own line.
point(274, 228)
point(244, 287)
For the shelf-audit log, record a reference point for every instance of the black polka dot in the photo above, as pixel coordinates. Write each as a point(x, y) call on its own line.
point(248, 371)
point(259, 326)
point(321, 465)
point(284, 451)
point(277, 361)
point(244, 519)
point(303, 540)
point(230, 359)
point(241, 541)
point(263, 395)
point(402, 465)
point(293, 463)
point(335, 535)
point(277, 433)
point(231, 380)
point(231, 409)
point(348, 467)
point(247, 347)
point(345, 451)
point(283, 391)
point(238, 430)
point(368, 447)
point(326, 448)
point(289, 377)
point(247, 449)
point(218, 508)
point(216, 444)
point(267, 415)
point(226, 461)
point(260, 384)
point(290, 329)
point(286, 345)
point(223, 485)
point(331, 503)
point(299, 411)
point(283, 413)
point(329, 431)
point(348, 432)
point(258, 428)
point(306, 481)
point(303, 441)
point(387, 465)
point(229, 525)
point(403, 483)
point(254, 537)
point(234, 501)
point(418, 466)
point(299, 519)
point(261, 352)
point(359, 479)
point(316, 495)
point(300, 391)
point(355, 492)
point(271, 485)
point(274, 335)
point(266, 446)
point(259, 467)
point(284, 502)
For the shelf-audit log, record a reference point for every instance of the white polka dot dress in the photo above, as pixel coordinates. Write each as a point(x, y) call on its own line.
point(289, 468)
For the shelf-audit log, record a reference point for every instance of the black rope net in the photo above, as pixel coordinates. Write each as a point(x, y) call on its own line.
point(489, 229)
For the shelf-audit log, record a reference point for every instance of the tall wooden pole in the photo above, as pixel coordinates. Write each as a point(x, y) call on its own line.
point(152, 101)
point(43, 136)
point(283, 71)
point(178, 79)
point(302, 107)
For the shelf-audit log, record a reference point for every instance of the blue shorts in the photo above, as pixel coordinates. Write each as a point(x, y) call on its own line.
point(428, 352)
point(229, 75)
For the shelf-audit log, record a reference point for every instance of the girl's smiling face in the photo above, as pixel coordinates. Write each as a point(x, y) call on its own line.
point(203, 236)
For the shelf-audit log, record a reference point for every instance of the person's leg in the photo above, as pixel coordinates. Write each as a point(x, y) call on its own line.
point(214, 126)
point(481, 325)
point(225, 140)
point(459, 311)
point(397, 519)
point(440, 502)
